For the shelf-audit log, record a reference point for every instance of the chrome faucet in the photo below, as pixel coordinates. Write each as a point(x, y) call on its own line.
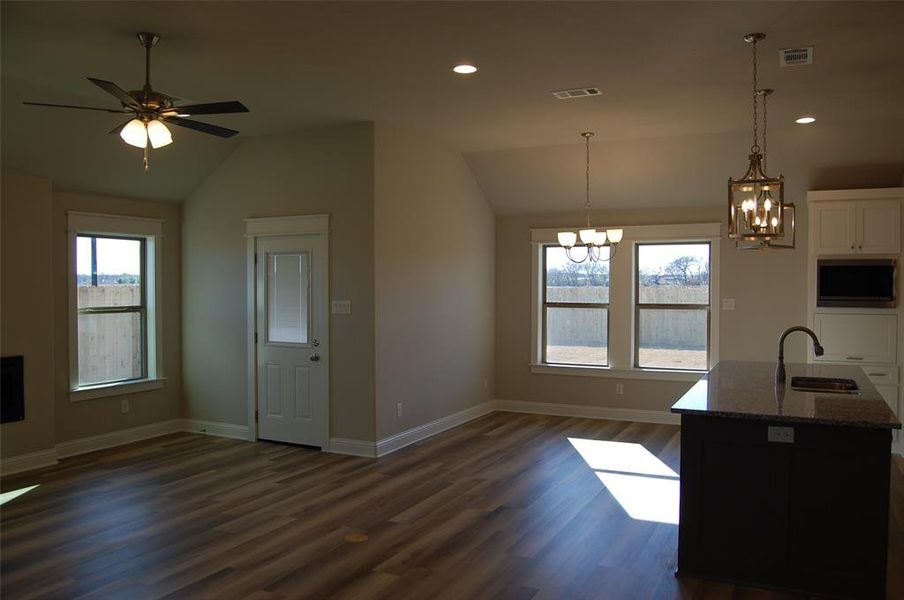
point(780, 368)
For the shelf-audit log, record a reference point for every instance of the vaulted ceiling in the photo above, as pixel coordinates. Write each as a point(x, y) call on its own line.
point(668, 71)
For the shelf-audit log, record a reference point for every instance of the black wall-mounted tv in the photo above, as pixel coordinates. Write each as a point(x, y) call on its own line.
point(12, 388)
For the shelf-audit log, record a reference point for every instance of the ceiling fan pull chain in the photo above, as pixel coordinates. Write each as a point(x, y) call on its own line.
point(145, 160)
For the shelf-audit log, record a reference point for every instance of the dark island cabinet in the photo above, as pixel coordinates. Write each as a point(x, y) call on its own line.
point(796, 506)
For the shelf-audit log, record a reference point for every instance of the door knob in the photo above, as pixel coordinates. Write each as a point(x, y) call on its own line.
point(315, 357)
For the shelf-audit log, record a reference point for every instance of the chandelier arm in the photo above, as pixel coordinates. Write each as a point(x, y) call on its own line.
point(573, 259)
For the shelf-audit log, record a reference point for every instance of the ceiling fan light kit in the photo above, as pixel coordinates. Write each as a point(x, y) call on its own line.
point(151, 111)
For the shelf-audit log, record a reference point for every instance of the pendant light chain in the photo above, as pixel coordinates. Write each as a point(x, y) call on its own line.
point(587, 205)
point(755, 148)
point(765, 124)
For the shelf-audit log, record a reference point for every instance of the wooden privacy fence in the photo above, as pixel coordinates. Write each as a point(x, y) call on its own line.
point(658, 328)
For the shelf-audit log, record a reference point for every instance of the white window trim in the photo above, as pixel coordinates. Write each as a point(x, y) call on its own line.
point(104, 224)
point(621, 302)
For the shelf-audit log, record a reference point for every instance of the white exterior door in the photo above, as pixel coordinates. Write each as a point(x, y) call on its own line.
point(292, 339)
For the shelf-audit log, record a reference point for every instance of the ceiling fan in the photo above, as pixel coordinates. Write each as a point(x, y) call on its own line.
point(150, 110)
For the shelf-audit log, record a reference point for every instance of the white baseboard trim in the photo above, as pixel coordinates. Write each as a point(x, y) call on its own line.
point(415, 434)
point(227, 430)
point(352, 447)
point(28, 462)
point(588, 412)
point(44, 458)
point(117, 438)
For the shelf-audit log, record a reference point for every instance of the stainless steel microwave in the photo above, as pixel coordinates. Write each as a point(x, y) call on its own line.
point(862, 283)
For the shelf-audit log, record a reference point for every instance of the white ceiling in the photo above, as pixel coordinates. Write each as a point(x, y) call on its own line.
point(667, 70)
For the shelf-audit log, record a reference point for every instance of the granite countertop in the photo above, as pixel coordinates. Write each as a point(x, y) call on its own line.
point(746, 390)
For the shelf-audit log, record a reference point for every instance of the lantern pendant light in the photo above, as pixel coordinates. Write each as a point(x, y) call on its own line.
point(591, 239)
point(756, 202)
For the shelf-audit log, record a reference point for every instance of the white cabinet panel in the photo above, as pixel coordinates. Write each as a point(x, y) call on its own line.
point(890, 393)
point(878, 224)
point(857, 338)
point(833, 228)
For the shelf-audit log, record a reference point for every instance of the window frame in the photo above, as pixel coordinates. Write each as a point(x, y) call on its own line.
point(141, 308)
point(638, 305)
point(150, 231)
point(622, 313)
point(580, 305)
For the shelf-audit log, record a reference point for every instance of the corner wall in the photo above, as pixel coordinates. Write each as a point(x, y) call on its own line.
point(26, 306)
point(325, 170)
point(434, 238)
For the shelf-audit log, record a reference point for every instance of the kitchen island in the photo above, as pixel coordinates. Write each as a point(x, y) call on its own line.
point(785, 488)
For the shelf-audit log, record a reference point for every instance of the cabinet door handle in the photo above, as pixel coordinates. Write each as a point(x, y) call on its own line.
point(877, 374)
point(853, 358)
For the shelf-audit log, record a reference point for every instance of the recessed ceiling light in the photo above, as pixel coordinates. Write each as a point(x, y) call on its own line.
point(805, 120)
point(464, 69)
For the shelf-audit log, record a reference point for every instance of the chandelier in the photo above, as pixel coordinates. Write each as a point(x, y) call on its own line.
point(592, 240)
point(756, 202)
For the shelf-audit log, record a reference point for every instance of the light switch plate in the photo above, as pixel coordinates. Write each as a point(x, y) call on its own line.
point(783, 435)
point(727, 303)
point(342, 307)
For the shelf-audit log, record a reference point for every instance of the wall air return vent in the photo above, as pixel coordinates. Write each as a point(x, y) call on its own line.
point(791, 57)
point(576, 93)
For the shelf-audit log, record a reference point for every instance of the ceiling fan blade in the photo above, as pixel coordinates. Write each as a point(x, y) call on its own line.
point(119, 127)
point(114, 90)
point(213, 108)
point(202, 127)
point(111, 110)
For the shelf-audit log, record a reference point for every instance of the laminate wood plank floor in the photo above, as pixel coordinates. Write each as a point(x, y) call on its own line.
point(502, 507)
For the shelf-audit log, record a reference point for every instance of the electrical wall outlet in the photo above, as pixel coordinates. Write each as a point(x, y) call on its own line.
point(124, 406)
point(782, 435)
point(728, 304)
point(619, 388)
point(398, 409)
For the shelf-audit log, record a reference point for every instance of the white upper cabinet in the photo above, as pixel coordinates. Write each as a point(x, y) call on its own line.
point(834, 228)
point(855, 221)
point(878, 226)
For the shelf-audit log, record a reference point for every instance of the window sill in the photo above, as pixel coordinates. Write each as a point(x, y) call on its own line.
point(90, 392)
point(649, 374)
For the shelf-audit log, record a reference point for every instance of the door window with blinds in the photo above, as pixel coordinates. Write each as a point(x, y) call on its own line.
point(575, 310)
point(111, 287)
point(672, 304)
point(288, 297)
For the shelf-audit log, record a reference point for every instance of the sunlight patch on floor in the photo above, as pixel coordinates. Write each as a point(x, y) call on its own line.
point(12, 495)
point(645, 487)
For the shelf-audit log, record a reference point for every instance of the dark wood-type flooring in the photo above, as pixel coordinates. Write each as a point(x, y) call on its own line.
point(500, 507)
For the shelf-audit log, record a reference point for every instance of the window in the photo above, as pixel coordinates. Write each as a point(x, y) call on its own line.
point(672, 305)
point(651, 312)
point(575, 310)
point(114, 304)
point(112, 309)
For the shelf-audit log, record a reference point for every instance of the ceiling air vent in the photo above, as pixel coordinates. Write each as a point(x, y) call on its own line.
point(791, 57)
point(576, 93)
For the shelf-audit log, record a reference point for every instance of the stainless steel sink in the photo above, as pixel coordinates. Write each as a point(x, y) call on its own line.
point(825, 384)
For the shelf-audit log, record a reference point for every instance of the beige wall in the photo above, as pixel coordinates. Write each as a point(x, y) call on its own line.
point(35, 316)
point(326, 170)
point(26, 306)
point(85, 418)
point(769, 289)
point(434, 281)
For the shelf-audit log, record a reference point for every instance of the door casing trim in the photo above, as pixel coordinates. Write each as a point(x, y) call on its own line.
point(288, 226)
